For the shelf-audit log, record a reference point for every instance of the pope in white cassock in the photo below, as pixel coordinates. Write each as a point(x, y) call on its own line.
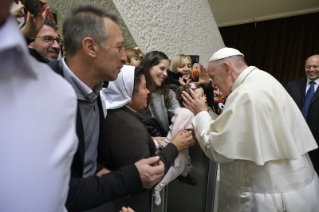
point(261, 140)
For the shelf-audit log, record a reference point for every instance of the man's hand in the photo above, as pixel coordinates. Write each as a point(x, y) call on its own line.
point(124, 209)
point(151, 171)
point(102, 171)
point(194, 104)
point(203, 76)
point(34, 24)
point(183, 139)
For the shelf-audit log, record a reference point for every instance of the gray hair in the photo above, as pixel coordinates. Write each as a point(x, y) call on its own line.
point(86, 20)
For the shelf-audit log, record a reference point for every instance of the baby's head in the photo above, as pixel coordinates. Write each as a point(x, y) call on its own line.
point(133, 57)
point(198, 90)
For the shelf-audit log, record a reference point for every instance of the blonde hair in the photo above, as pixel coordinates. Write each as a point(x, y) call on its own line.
point(177, 61)
point(130, 52)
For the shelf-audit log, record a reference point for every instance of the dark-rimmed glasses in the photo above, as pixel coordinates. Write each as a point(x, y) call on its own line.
point(50, 39)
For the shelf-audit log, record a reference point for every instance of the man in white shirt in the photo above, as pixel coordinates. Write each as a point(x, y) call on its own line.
point(37, 124)
point(298, 91)
point(260, 140)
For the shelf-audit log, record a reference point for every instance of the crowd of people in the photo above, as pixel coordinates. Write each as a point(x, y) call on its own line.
point(108, 124)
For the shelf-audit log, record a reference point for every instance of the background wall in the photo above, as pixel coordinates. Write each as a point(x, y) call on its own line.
point(279, 46)
point(62, 7)
point(172, 26)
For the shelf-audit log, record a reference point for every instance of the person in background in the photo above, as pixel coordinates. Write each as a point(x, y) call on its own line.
point(306, 90)
point(133, 57)
point(179, 73)
point(38, 134)
point(162, 101)
point(46, 45)
point(261, 140)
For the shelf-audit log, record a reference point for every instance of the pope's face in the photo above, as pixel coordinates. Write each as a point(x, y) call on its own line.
point(312, 67)
point(220, 77)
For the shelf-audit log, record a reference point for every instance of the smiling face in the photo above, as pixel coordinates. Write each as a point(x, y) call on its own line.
point(217, 94)
point(158, 73)
point(185, 67)
point(49, 51)
point(139, 97)
point(312, 67)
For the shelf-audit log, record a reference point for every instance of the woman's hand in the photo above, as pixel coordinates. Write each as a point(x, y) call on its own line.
point(17, 10)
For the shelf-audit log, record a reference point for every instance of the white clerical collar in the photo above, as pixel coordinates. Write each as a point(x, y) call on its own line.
point(242, 76)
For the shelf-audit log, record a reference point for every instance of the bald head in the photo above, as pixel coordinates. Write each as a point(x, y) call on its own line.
point(312, 67)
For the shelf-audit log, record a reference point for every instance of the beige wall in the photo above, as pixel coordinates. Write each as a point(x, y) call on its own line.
point(171, 26)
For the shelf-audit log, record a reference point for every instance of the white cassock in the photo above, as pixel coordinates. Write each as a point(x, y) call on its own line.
point(261, 141)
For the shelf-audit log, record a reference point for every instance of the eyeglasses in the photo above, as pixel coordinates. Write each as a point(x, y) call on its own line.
point(50, 40)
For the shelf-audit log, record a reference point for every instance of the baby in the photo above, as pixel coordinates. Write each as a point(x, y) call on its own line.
point(181, 120)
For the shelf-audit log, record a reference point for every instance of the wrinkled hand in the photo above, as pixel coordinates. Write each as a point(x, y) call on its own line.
point(159, 141)
point(34, 24)
point(183, 139)
point(102, 171)
point(124, 209)
point(17, 10)
point(203, 76)
point(151, 171)
point(194, 104)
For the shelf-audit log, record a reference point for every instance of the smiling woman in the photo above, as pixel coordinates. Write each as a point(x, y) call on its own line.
point(162, 101)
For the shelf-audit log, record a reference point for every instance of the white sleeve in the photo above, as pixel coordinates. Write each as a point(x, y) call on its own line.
point(201, 123)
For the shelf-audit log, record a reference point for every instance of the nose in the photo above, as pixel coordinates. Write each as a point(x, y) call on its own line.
point(147, 91)
point(165, 73)
point(55, 45)
point(123, 56)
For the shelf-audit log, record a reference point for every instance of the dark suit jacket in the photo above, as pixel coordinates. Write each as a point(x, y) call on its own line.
point(91, 192)
point(297, 90)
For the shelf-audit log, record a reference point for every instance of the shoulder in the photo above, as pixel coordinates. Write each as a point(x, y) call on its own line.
point(296, 81)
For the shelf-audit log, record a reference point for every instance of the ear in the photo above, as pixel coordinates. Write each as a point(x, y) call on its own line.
point(90, 47)
point(227, 67)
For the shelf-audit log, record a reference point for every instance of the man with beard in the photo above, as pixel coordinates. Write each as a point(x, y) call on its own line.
point(46, 45)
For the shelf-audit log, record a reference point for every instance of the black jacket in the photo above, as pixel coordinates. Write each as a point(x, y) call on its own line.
point(91, 192)
point(297, 90)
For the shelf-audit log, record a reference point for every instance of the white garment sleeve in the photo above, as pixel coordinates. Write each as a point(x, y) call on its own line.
point(201, 123)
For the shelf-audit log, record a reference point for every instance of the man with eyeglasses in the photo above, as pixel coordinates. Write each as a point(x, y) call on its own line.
point(305, 92)
point(46, 45)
